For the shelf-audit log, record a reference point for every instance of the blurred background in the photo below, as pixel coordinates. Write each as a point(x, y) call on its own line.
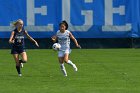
point(95, 23)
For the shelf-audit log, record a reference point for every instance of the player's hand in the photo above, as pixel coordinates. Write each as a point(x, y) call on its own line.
point(11, 42)
point(36, 44)
point(53, 38)
point(78, 46)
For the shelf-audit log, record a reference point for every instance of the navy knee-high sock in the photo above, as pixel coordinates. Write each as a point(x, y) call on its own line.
point(21, 61)
point(18, 69)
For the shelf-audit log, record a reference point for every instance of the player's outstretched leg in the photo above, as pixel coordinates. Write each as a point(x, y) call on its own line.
point(21, 63)
point(73, 65)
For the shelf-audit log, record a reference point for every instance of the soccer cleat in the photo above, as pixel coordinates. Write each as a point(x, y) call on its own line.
point(75, 68)
point(19, 75)
point(21, 65)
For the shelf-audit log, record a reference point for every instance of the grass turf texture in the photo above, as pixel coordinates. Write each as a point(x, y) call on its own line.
point(99, 71)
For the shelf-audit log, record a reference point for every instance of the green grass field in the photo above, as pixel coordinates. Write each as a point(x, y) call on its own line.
point(99, 71)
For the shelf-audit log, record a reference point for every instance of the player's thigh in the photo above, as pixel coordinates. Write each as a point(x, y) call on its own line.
point(66, 57)
point(16, 57)
point(61, 60)
point(24, 56)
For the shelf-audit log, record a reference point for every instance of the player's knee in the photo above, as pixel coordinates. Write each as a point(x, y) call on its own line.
point(66, 60)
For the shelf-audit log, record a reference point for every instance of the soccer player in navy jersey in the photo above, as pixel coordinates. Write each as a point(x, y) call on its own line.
point(18, 46)
point(63, 36)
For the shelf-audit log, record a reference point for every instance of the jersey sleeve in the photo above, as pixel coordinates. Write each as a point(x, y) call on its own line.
point(57, 33)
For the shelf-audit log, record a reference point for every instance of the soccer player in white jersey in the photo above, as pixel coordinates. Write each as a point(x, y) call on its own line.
point(63, 36)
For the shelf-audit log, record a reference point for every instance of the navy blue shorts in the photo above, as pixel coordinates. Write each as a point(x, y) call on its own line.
point(17, 50)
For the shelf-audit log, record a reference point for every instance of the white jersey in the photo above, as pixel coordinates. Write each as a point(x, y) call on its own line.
point(63, 40)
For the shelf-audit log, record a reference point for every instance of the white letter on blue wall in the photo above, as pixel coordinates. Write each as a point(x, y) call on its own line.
point(31, 11)
point(109, 11)
point(88, 14)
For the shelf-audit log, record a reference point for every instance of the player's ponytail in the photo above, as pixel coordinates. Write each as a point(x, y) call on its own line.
point(14, 23)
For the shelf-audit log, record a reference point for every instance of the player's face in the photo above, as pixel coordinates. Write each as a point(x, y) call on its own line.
point(20, 24)
point(62, 27)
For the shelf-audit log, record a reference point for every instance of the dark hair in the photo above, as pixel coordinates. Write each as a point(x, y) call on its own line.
point(65, 23)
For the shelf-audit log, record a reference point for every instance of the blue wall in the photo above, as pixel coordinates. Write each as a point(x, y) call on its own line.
point(86, 18)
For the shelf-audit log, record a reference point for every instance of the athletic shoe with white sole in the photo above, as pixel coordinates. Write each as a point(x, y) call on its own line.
point(75, 68)
point(21, 65)
point(19, 75)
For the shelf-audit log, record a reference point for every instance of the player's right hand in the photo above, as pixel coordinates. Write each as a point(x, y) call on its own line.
point(11, 42)
point(53, 38)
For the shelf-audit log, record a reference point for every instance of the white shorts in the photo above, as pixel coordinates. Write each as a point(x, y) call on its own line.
point(62, 53)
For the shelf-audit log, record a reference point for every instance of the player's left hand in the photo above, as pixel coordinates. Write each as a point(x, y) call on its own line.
point(78, 46)
point(36, 44)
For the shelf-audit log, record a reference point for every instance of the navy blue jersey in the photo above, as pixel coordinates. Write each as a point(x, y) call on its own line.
point(19, 38)
point(18, 46)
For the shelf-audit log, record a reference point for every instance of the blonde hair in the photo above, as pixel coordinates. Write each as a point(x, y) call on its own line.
point(14, 23)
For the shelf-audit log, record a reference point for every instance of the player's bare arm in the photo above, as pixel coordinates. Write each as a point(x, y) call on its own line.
point(29, 37)
point(11, 38)
point(74, 40)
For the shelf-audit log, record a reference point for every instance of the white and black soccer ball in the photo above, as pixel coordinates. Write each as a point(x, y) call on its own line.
point(56, 46)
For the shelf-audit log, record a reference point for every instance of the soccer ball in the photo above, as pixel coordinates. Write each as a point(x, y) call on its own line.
point(56, 46)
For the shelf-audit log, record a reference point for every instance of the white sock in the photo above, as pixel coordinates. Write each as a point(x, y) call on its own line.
point(70, 62)
point(73, 65)
point(63, 69)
